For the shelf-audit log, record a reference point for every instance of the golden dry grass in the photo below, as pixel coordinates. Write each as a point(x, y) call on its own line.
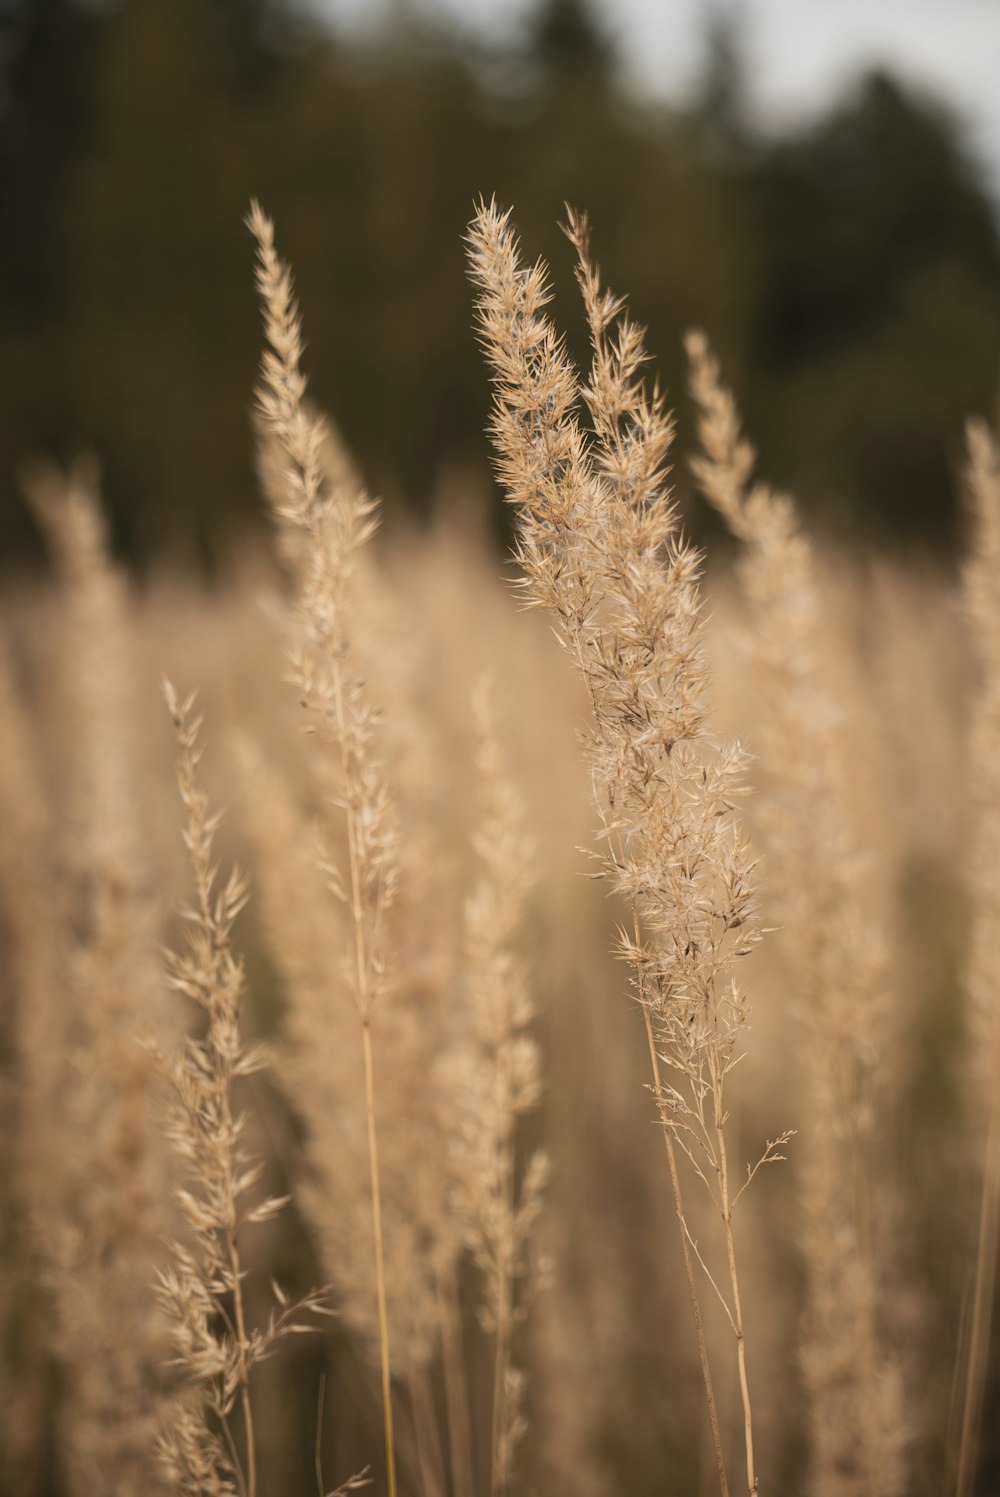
point(458, 1042)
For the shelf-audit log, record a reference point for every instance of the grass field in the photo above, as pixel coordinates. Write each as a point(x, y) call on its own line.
point(542, 954)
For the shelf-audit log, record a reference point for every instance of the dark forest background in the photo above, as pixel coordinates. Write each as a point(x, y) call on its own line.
point(848, 273)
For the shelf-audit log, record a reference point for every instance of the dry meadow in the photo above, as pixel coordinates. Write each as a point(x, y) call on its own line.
point(549, 1043)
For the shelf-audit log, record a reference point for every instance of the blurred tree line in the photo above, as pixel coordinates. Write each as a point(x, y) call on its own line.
point(848, 273)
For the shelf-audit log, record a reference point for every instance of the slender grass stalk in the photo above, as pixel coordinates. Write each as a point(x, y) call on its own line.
point(499, 1474)
point(498, 1081)
point(326, 527)
point(982, 607)
point(203, 1291)
point(102, 1224)
point(599, 546)
point(689, 1272)
point(726, 1201)
point(834, 930)
point(981, 1311)
point(425, 1427)
point(32, 1096)
point(376, 1194)
point(455, 1387)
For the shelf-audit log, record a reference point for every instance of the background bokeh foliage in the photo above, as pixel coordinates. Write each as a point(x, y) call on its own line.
point(848, 272)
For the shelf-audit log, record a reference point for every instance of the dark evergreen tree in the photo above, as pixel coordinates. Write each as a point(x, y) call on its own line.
point(849, 273)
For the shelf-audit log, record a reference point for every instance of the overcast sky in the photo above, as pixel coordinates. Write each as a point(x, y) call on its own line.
point(800, 52)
